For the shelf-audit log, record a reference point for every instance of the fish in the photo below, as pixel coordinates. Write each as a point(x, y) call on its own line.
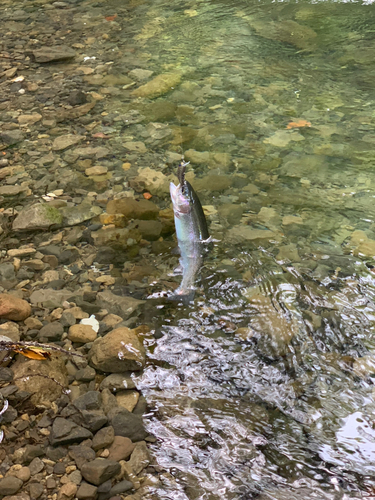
point(191, 231)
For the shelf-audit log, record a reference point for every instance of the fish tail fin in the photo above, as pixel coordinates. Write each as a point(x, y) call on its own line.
point(184, 296)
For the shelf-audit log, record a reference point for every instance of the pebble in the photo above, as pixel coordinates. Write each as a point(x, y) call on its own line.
point(10, 485)
point(81, 333)
point(86, 491)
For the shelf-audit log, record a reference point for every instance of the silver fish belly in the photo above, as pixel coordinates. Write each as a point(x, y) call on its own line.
point(191, 232)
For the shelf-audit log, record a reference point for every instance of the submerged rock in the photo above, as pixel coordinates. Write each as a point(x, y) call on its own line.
point(52, 54)
point(39, 216)
point(159, 85)
point(133, 209)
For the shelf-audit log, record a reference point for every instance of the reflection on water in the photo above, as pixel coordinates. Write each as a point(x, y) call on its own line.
point(257, 388)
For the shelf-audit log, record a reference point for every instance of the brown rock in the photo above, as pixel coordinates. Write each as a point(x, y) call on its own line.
point(67, 491)
point(133, 209)
point(127, 399)
point(81, 333)
point(119, 351)
point(13, 308)
point(120, 449)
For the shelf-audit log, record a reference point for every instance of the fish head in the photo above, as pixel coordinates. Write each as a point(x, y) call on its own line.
point(181, 202)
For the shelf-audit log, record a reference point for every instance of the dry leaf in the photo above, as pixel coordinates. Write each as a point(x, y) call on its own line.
point(298, 124)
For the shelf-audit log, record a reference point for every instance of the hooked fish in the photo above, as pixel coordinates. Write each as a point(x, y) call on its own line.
point(191, 231)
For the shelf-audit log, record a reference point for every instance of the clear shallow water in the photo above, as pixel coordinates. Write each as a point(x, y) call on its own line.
point(263, 387)
point(257, 389)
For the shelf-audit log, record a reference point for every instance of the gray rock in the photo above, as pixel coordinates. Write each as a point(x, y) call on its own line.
point(9, 416)
point(109, 401)
point(75, 477)
point(35, 490)
point(65, 141)
point(125, 307)
point(65, 432)
point(93, 419)
point(127, 424)
point(118, 382)
point(100, 470)
point(91, 400)
point(6, 374)
point(86, 492)
point(11, 137)
point(11, 190)
point(36, 466)
point(7, 271)
point(52, 331)
point(103, 438)
point(10, 485)
point(32, 451)
point(67, 319)
point(49, 298)
point(85, 374)
point(52, 54)
point(121, 487)
point(38, 216)
point(81, 454)
point(105, 488)
point(119, 351)
point(140, 458)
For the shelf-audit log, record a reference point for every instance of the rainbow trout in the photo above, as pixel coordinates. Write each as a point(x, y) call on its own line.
point(191, 231)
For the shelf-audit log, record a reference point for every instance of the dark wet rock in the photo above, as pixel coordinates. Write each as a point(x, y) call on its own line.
point(10, 485)
point(85, 374)
point(121, 448)
point(105, 488)
point(141, 406)
point(127, 424)
point(121, 487)
point(133, 209)
point(13, 308)
point(65, 432)
point(100, 470)
point(103, 438)
point(39, 216)
point(125, 307)
point(6, 374)
point(93, 419)
point(59, 468)
point(51, 331)
point(9, 415)
point(81, 454)
point(89, 401)
point(118, 382)
point(32, 451)
point(53, 54)
point(119, 351)
point(86, 492)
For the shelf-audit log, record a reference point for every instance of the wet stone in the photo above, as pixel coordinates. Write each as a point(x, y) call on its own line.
point(52, 54)
point(117, 382)
point(100, 470)
point(127, 424)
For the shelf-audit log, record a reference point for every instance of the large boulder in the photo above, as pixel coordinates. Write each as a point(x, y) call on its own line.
point(117, 352)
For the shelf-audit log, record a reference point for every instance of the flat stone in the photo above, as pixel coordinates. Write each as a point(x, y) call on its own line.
point(119, 351)
point(85, 374)
point(91, 400)
point(103, 438)
point(52, 54)
point(13, 308)
point(86, 492)
point(137, 146)
point(140, 74)
point(38, 216)
point(133, 209)
point(65, 141)
point(121, 487)
point(12, 190)
point(36, 466)
point(121, 448)
point(100, 470)
point(11, 137)
point(65, 432)
point(93, 419)
point(121, 306)
point(127, 424)
point(96, 170)
point(29, 119)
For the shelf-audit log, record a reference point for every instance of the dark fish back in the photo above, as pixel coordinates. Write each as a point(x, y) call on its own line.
point(198, 210)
